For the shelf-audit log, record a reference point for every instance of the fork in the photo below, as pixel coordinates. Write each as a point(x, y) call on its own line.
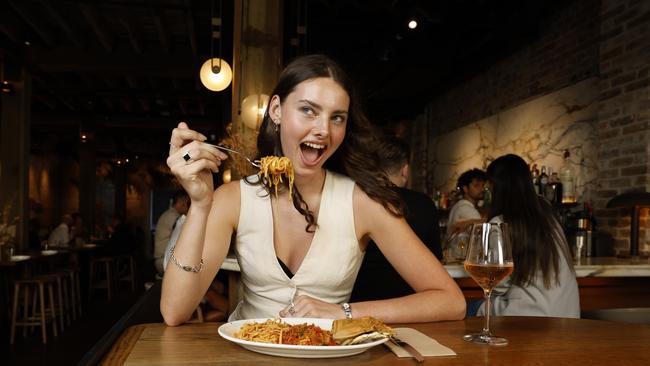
point(253, 163)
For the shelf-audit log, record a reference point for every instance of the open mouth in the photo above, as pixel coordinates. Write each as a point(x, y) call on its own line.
point(312, 152)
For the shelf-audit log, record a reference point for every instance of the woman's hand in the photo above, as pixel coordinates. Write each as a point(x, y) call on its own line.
point(307, 307)
point(193, 162)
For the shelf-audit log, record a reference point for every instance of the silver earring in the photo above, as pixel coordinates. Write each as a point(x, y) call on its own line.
point(277, 126)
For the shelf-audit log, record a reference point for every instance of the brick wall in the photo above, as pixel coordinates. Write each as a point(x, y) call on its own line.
point(607, 39)
point(624, 113)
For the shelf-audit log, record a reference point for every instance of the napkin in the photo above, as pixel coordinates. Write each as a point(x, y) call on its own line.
point(426, 345)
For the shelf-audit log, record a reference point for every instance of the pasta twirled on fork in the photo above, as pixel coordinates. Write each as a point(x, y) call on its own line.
point(273, 168)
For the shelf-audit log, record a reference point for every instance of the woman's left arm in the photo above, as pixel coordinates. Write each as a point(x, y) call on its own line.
point(437, 296)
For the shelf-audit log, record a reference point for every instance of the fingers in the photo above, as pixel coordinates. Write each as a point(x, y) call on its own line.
point(182, 135)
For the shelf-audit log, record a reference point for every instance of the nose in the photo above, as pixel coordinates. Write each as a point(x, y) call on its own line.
point(322, 127)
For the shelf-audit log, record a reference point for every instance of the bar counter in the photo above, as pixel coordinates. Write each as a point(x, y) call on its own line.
point(533, 341)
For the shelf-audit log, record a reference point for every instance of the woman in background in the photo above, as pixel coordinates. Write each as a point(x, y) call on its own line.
point(543, 282)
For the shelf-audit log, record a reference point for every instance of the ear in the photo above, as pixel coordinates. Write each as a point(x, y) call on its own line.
point(275, 109)
point(404, 172)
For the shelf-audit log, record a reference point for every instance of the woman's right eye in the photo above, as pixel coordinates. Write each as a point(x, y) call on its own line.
point(307, 110)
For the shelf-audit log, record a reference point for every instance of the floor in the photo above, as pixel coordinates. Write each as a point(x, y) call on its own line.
point(70, 346)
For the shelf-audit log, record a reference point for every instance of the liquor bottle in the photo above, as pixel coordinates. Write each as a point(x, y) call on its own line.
point(535, 174)
point(543, 181)
point(567, 178)
point(554, 189)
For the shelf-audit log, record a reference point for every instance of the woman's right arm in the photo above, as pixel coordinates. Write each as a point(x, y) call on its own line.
point(210, 222)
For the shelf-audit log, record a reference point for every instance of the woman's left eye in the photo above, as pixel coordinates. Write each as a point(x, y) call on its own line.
point(339, 119)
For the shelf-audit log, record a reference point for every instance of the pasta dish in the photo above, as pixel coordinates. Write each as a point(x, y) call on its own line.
point(279, 332)
point(273, 168)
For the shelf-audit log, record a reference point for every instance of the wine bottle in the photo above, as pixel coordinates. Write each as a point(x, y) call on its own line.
point(567, 178)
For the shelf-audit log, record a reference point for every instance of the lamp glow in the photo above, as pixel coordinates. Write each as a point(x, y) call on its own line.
point(227, 176)
point(413, 24)
point(216, 81)
point(252, 110)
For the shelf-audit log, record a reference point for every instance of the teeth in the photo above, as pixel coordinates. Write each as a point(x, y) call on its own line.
point(314, 146)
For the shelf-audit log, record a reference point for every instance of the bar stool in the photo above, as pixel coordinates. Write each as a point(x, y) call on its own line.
point(125, 269)
point(61, 304)
point(75, 291)
point(45, 314)
point(101, 266)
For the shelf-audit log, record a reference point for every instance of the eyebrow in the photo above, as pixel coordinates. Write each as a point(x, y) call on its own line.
point(318, 107)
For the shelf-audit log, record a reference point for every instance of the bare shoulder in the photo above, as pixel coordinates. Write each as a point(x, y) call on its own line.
point(367, 211)
point(226, 200)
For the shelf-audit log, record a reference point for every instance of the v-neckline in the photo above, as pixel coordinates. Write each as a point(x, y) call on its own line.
point(313, 238)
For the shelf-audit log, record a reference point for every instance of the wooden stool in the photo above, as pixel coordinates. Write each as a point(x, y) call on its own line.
point(75, 292)
point(44, 316)
point(125, 269)
point(61, 304)
point(97, 282)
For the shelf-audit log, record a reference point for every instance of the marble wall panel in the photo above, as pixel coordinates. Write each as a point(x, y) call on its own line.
point(539, 130)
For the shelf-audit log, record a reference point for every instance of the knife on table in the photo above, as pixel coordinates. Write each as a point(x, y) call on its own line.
point(408, 348)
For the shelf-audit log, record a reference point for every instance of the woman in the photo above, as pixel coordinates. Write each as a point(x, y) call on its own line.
point(299, 255)
point(543, 282)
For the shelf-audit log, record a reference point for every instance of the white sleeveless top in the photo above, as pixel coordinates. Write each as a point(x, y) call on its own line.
point(329, 268)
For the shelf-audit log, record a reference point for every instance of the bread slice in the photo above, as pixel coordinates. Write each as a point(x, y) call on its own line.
point(359, 330)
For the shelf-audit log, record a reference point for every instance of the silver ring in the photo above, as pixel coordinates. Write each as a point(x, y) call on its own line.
point(292, 310)
point(187, 156)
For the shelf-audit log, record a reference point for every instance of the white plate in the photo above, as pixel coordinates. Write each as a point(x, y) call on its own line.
point(18, 258)
point(48, 252)
point(228, 330)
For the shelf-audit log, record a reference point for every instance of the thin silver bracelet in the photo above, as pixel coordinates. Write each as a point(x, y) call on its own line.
point(185, 267)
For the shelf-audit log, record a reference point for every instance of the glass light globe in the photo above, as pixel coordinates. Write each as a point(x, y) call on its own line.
point(212, 81)
point(252, 110)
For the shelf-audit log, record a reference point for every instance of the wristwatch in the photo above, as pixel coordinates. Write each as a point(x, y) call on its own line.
point(347, 310)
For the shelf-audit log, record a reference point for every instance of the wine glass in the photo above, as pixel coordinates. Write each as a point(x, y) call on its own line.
point(488, 261)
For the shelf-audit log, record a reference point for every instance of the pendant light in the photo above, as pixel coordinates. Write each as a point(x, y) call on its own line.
point(215, 73)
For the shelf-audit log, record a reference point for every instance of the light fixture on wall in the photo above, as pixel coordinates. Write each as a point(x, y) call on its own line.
point(215, 73)
point(252, 110)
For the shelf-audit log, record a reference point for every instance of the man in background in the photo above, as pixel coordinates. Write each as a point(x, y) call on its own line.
point(60, 236)
point(420, 214)
point(165, 226)
point(464, 213)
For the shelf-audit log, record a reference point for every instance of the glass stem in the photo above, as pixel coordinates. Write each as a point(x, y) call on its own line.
point(486, 327)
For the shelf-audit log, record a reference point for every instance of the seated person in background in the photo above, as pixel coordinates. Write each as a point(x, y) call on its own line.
point(165, 225)
point(215, 302)
point(60, 236)
point(77, 233)
point(421, 215)
point(120, 241)
point(544, 281)
point(464, 212)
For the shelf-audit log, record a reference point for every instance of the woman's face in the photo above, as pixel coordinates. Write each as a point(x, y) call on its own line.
point(313, 122)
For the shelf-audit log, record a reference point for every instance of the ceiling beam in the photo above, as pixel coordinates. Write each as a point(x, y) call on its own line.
point(54, 13)
point(90, 14)
point(65, 59)
point(126, 22)
point(189, 20)
point(33, 21)
point(160, 26)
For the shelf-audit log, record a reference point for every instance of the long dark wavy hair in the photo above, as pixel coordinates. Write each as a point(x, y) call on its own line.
point(355, 157)
point(536, 235)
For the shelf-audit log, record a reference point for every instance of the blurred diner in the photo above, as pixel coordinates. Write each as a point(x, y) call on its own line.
point(544, 281)
point(421, 215)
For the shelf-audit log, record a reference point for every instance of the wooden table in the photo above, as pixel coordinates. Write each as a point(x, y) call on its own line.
point(533, 341)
